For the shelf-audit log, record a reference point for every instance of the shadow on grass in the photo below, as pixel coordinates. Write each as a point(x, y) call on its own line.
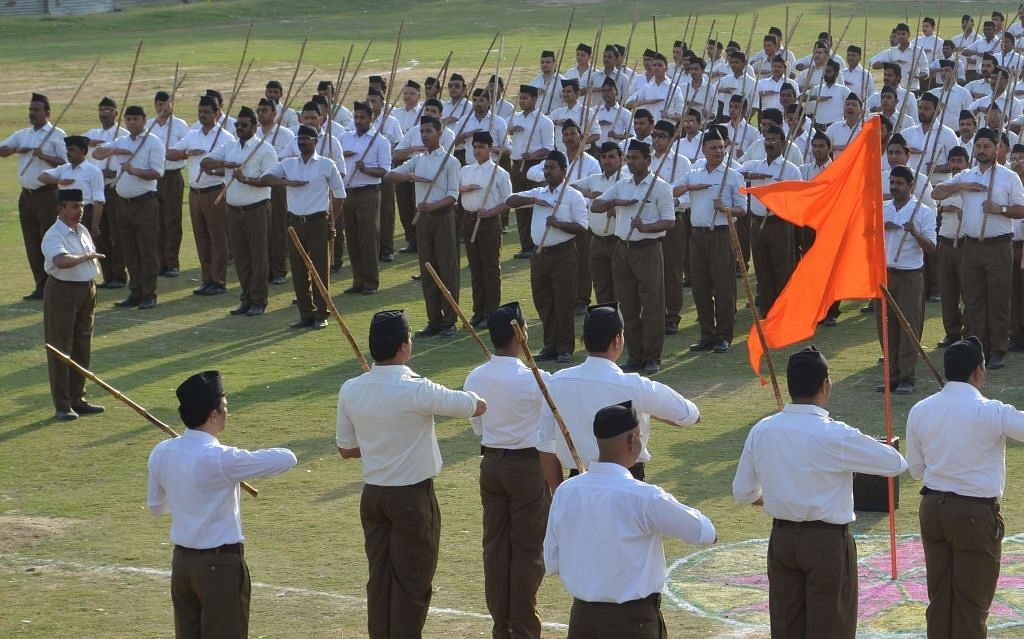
point(27, 429)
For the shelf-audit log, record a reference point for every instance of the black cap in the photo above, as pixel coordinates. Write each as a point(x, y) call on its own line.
point(966, 115)
point(456, 77)
point(547, 54)
point(602, 323)
point(612, 421)
point(569, 123)
point(854, 49)
point(666, 126)
point(928, 97)
point(307, 131)
point(376, 79)
point(1017, 148)
point(246, 112)
point(649, 53)
point(80, 141)
point(362, 106)
point(39, 97)
point(200, 393)
point(325, 85)
point(319, 99)
point(897, 138)
point(434, 102)
point(712, 134)
point(135, 110)
point(483, 137)
point(266, 102)
point(374, 91)
point(571, 82)
point(213, 93)
point(386, 324)
point(413, 84)
point(610, 146)
point(806, 371)
point(639, 145)
point(162, 96)
point(274, 84)
point(774, 129)
point(206, 101)
point(311, 106)
point(428, 119)
point(962, 357)
point(528, 89)
point(70, 195)
point(820, 135)
point(107, 102)
point(586, 48)
point(499, 323)
point(946, 64)
point(608, 82)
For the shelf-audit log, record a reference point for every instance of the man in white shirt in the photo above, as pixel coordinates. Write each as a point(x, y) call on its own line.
point(601, 236)
point(966, 38)
point(574, 110)
point(768, 88)
point(948, 254)
point(283, 141)
point(170, 187)
point(483, 187)
point(513, 493)
point(738, 82)
point(892, 75)
point(399, 512)
point(532, 139)
point(956, 445)
point(989, 205)
point(604, 536)
point(856, 78)
point(312, 181)
point(547, 84)
point(583, 70)
point(957, 65)
point(841, 133)
point(247, 158)
point(661, 96)
point(909, 235)
point(812, 556)
point(69, 302)
point(288, 118)
point(408, 112)
point(989, 44)
point(929, 141)
point(104, 230)
point(195, 479)
point(614, 120)
point(79, 173)
point(828, 96)
point(912, 59)
point(38, 149)
point(953, 97)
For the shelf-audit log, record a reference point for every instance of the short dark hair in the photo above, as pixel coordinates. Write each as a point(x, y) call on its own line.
point(385, 346)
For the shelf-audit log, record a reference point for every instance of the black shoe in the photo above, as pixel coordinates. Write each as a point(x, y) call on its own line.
point(652, 367)
point(407, 249)
point(147, 304)
point(427, 331)
point(632, 367)
point(881, 387)
point(479, 321)
point(111, 284)
point(564, 357)
point(934, 297)
point(254, 310)
point(320, 324)
point(303, 322)
point(671, 328)
point(721, 346)
point(128, 302)
point(829, 321)
point(686, 283)
point(34, 295)
point(278, 279)
point(172, 272)
point(85, 408)
point(904, 388)
point(868, 308)
point(997, 360)
point(447, 331)
point(242, 309)
point(524, 255)
point(162, 272)
point(545, 356)
point(387, 257)
point(213, 289)
point(202, 288)
point(702, 345)
point(369, 291)
point(948, 341)
point(352, 290)
point(66, 415)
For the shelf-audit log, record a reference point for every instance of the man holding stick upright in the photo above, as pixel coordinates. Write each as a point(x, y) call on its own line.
point(990, 202)
point(532, 135)
point(39, 147)
point(104, 227)
point(398, 509)
point(312, 180)
point(513, 492)
point(283, 141)
point(195, 478)
point(170, 188)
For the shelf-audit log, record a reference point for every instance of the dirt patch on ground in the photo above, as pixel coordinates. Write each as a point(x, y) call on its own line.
point(18, 531)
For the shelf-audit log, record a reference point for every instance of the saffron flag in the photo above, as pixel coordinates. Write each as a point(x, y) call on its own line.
point(843, 204)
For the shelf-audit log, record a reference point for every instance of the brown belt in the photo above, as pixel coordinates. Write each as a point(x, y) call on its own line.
point(249, 207)
point(226, 549)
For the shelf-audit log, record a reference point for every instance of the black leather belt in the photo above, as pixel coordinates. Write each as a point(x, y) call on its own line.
point(709, 229)
point(785, 523)
point(946, 240)
point(608, 239)
point(554, 248)
point(650, 241)
point(40, 189)
point(309, 217)
point(767, 219)
point(71, 283)
point(170, 171)
point(903, 271)
point(653, 599)
point(530, 452)
point(990, 240)
point(226, 549)
point(140, 198)
point(950, 495)
point(249, 207)
point(366, 187)
point(205, 189)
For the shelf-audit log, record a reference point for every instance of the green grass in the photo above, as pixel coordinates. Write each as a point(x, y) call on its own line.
point(303, 530)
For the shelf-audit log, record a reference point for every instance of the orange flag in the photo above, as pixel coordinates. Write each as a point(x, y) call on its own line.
point(843, 204)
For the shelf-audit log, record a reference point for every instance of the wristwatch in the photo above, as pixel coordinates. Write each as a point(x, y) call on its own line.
point(1002, 210)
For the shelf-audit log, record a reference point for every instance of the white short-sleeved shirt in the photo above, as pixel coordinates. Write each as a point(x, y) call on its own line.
point(29, 167)
point(60, 239)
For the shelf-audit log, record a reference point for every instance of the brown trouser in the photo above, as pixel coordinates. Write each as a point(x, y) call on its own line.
point(138, 228)
point(948, 258)
point(210, 228)
point(962, 540)
point(553, 282)
point(277, 232)
point(771, 246)
point(108, 242)
point(1016, 332)
point(312, 233)
point(524, 214)
point(361, 218)
point(584, 282)
point(437, 243)
point(405, 200)
point(713, 278)
point(638, 272)
point(402, 532)
point(210, 590)
point(602, 248)
point(672, 255)
point(515, 501)
point(812, 581)
point(484, 257)
point(37, 211)
point(639, 619)
point(743, 233)
point(170, 192)
point(387, 219)
point(907, 290)
point(986, 276)
point(248, 229)
point(68, 312)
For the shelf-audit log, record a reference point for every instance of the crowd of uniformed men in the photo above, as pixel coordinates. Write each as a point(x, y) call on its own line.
point(623, 183)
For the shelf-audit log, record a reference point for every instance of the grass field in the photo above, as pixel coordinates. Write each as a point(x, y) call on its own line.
point(72, 496)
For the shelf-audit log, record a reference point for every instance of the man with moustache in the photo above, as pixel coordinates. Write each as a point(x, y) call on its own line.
point(105, 228)
point(170, 187)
